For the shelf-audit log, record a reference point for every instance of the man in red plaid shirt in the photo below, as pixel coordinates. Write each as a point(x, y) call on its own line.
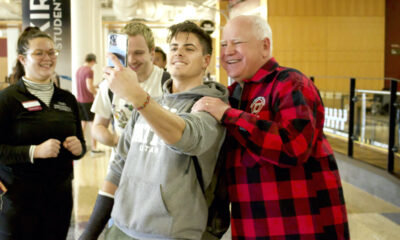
point(283, 178)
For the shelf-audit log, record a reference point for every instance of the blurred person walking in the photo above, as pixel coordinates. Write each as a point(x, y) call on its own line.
point(86, 91)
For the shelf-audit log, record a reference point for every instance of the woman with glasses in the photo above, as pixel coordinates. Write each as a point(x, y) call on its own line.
point(40, 136)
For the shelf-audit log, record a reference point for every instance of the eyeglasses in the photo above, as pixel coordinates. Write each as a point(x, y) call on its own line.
point(52, 53)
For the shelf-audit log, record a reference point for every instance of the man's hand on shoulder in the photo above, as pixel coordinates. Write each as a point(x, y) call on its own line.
point(215, 106)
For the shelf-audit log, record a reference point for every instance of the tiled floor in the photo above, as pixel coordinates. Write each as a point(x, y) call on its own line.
point(370, 218)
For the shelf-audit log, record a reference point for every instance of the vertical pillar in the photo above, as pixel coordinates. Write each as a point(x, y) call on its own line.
point(86, 37)
point(352, 100)
point(12, 37)
point(392, 125)
point(220, 73)
point(363, 116)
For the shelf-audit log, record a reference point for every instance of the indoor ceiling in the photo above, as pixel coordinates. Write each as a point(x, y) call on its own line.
point(10, 9)
point(124, 10)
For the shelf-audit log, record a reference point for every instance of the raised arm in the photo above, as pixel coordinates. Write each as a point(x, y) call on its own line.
point(124, 83)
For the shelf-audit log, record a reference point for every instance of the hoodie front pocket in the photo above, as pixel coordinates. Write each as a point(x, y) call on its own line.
point(140, 207)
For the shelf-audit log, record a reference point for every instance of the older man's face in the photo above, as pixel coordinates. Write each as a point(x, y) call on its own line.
point(242, 54)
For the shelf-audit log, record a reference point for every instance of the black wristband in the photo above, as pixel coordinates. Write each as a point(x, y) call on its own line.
point(100, 215)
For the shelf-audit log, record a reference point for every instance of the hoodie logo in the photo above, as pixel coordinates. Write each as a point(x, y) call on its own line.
point(257, 105)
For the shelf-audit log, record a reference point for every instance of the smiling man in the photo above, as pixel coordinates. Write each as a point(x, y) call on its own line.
point(108, 107)
point(152, 190)
point(282, 175)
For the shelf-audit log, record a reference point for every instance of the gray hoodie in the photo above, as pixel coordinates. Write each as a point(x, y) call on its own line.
point(158, 194)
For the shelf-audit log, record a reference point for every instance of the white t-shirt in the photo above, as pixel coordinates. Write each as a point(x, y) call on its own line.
point(120, 109)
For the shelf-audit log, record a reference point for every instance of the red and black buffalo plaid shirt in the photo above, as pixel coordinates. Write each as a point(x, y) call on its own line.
point(283, 178)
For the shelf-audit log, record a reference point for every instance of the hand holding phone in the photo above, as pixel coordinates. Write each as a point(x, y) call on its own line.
point(118, 45)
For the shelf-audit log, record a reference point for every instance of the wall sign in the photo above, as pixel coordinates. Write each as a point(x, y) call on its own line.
point(54, 18)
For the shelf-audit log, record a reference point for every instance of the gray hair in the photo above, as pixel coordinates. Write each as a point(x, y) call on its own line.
point(261, 28)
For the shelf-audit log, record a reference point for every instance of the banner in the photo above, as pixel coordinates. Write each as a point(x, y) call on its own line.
point(54, 18)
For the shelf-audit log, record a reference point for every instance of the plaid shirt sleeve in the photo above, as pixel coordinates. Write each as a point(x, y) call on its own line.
point(285, 130)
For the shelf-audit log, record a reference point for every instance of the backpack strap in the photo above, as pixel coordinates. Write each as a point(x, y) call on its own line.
point(199, 173)
point(217, 200)
point(165, 77)
point(217, 179)
point(110, 95)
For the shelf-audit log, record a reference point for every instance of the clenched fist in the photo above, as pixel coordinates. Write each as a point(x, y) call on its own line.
point(48, 149)
point(73, 145)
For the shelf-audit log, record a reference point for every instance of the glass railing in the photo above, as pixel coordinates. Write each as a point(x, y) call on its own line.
point(364, 123)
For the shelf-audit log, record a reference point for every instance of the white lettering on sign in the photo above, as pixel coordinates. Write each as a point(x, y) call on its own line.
point(40, 17)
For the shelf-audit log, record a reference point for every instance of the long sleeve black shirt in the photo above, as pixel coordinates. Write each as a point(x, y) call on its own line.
point(25, 120)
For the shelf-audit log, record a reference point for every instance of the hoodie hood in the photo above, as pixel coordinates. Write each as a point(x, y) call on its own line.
point(209, 89)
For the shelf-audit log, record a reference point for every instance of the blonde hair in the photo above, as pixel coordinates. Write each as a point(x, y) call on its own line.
point(135, 28)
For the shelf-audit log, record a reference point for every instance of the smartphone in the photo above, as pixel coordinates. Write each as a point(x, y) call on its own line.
point(118, 45)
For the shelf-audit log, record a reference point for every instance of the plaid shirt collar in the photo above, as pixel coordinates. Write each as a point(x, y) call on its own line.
point(266, 69)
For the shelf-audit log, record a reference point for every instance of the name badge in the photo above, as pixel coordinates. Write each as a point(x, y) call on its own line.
point(33, 105)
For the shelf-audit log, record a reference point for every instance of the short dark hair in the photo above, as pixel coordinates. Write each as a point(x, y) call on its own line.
point(191, 27)
point(159, 50)
point(90, 57)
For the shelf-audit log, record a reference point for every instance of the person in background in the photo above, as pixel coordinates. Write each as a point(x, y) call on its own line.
point(56, 79)
point(108, 107)
point(40, 136)
point(153, 177)
point(86, 91)
point(160, 58)
point(283, 179)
